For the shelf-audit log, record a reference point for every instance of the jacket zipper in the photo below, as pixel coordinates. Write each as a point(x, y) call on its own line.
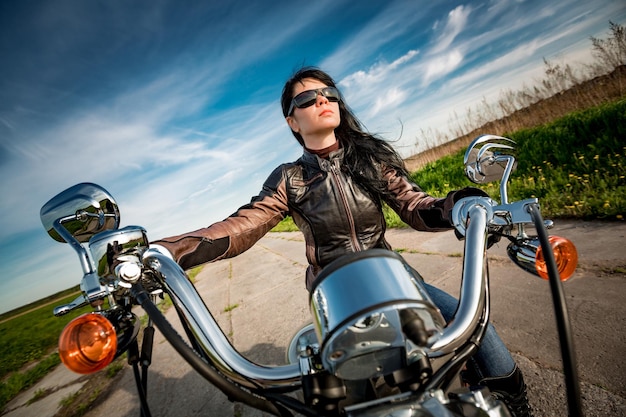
point(334, 169)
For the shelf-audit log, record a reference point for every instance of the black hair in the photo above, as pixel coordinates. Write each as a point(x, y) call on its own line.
point(364, 153)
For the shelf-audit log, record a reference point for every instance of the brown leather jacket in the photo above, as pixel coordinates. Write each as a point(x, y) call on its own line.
point(335, 215)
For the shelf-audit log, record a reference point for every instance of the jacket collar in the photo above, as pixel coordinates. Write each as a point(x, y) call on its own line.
point(314, 160)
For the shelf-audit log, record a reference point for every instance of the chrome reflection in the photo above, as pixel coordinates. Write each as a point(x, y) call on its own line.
point(82, 210)
point(111, 247)
point(358, 304)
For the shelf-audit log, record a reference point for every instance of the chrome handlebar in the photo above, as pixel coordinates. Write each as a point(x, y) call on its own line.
point(208, 333)
point(473, 299)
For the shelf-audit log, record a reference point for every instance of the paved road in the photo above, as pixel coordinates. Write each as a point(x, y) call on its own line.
point(259, 301)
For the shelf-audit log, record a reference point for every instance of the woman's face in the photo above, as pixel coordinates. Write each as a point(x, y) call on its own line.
point(319, 119)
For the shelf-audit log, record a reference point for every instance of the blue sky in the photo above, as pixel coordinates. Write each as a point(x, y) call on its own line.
point(172, 106)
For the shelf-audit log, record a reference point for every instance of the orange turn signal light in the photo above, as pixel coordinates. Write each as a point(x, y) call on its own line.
point(565, 256)
point(88, 343)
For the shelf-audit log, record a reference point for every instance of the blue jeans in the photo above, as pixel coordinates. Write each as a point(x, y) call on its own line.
point(492, 358)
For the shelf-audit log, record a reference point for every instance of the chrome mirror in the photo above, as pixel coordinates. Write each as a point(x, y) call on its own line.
point(487, 157)
point(80, 212)
point(491, 158)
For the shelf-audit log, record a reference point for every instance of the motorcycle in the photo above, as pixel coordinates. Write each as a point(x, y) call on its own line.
point(387, 334)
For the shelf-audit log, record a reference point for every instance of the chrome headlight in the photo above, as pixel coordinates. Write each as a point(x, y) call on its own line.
point(107, 248)
point(359, 303)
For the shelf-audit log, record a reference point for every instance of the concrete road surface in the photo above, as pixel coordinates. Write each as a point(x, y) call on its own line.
point(259, 300)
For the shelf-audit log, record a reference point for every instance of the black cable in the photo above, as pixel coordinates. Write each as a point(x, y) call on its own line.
point(442, 378)
point(232, 391)
point(133, 360)
point(146, 355)
point(145, 410)
point(563, 324)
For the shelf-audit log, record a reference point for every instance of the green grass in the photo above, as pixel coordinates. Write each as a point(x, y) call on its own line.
point(51, 298)
point(230, 308)
point(286, 225)
point(30, 337)
point(575, 166)
point(192, 273)
point(19, 381)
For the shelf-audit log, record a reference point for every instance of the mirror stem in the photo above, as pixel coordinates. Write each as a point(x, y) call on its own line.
point(83, 257)
point(510, 161)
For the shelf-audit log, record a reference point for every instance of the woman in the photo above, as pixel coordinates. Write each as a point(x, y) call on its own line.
point(334, 194)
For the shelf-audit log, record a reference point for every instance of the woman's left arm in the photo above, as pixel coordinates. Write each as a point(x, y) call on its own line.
point(417, 208)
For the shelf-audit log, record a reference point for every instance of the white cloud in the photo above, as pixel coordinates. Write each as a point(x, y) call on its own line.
point(390, 98)
point(378, 73)
point(378, 34)
point(457, 20)
point(441, 65)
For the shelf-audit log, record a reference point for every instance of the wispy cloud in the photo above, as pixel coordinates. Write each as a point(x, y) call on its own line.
point(442, 65)
point(377, 36)
point(378, 73)
point(470, 68)
point(456, 22)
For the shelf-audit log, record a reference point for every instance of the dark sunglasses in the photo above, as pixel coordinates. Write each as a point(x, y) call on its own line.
point(309, 97)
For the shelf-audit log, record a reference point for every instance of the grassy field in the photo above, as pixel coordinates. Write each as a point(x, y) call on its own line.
point(574, 165)
point(30, 337)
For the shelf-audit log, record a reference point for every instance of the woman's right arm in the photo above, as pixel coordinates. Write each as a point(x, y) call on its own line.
point(235, 234)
